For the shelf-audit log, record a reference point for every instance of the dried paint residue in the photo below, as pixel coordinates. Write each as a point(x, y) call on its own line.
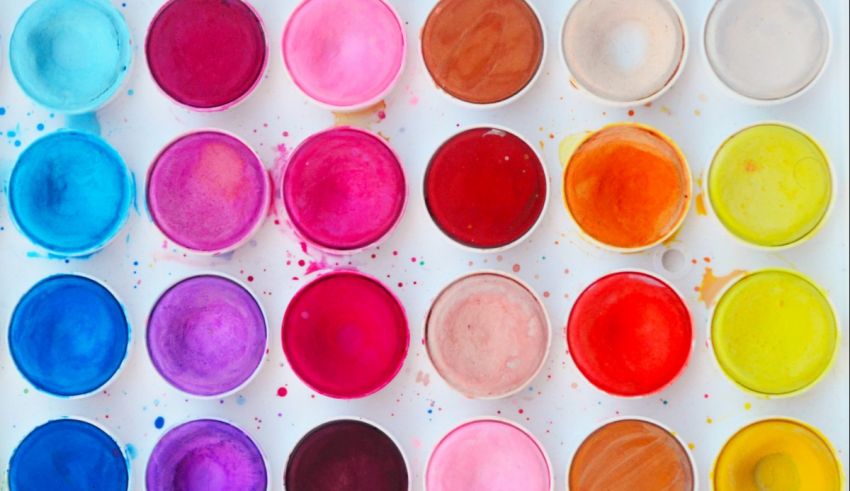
point(364, 118)
point(712, 285)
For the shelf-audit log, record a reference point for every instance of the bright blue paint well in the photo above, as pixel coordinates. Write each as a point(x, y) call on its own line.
point(70, 55)
point(68, 335)
point(70, 193)
point(68, 454)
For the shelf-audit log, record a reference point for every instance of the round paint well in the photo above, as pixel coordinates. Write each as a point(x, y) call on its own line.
point(632, 455)
point(51, 198)
point(778, 454)
point(774, 333)
point(207, 54)
point(70, 55)
point(68, 454)
point(767, 50)
point(486, 188)
point(344, 54)
point(483, 51)
point(627, 187)
point(344, 190)
point(69, 335)
point(207, 335)
point(630, 334)
point(487, 334)
point(206, 454)
point(345, 335)
point(488, 455)
point(349, 455)
point(771, 185)
point(208, 191)
point(624, 52)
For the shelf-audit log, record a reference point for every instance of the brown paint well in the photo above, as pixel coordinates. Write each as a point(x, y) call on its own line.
point(482, 51)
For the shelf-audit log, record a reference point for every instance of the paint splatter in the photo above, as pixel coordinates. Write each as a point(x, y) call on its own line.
point(159, 422)
point(712, 285)
point(423, 378)
point(364, 118)
point(282, 392)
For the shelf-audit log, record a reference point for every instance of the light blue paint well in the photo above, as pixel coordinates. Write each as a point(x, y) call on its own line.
point(68, 454)
point(68, 335)
point(70, 55)
point(70, 193)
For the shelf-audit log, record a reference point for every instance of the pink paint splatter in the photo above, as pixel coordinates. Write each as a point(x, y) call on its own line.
point(516, 268)
point(282, 392)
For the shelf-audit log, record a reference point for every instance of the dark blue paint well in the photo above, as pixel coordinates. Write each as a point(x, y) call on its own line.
point(68, 335)
point(68, 455)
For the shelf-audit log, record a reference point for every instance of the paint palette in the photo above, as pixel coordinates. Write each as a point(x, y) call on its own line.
point(448, 266)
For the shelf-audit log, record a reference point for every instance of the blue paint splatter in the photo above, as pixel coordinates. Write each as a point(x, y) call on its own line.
point(240, 400)
point(159, 422)
point(40, 126)
point(132, 453)
point(2, 111)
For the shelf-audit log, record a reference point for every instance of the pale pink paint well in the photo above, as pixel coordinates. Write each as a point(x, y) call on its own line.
point(346, 54)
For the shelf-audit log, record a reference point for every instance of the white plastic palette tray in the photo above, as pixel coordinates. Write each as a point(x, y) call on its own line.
point(560, 407)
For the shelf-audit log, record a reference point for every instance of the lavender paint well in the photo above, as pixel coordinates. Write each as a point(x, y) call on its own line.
point(207, 335)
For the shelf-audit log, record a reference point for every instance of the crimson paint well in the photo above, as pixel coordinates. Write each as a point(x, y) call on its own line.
point(485, 188)
point(206, 54)
point(630, 334)
point(345, 335)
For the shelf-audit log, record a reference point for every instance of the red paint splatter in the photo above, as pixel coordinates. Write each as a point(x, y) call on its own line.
point(281, 392)
point(250, 278)
point(631, 112)
point(521, 411)
point(302, 263)
point(516, 268)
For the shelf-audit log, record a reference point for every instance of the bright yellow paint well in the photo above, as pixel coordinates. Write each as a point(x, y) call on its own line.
point(777, 455)
point(774, 332)
point(770, 185)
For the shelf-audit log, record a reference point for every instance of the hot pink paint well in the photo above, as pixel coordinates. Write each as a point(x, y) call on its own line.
point(488, 455)
point(344, 189)
point(346, 54)
point(208, 191)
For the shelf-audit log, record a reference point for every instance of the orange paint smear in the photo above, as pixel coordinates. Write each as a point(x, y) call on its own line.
point(712, 285)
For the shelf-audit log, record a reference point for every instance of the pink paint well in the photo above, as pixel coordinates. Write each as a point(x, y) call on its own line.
point(344, 53)
point(344, 189)
point(208, 192)
point(488, 455)
point(345, 335)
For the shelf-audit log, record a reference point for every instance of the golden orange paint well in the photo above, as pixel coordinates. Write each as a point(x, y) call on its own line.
point(627, 186)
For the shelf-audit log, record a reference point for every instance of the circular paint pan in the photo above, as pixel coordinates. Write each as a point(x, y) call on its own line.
point(70, 56)
point(206, 454)
point(633, 454)
point(69, 336)
point(778, 453)
point(207, 191)
point(486, 189)
point(489, 454)
point(626, 186)
point(207, 335)
point(483, 52)
point(767, 51)
point(344, 190)
point(344, 55)
point(51, 199)
point(630, 334)
point(349, 454)
point(345, 335)
point(207, 55)
point(624, 52)
point(487, 335)
point(771, 186)
point(774, 333)
point(69, 454)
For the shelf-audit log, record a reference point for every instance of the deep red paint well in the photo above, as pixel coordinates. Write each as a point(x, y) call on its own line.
point(630, 334)
point(206, 54)
point(345, 335)
point(485, 188)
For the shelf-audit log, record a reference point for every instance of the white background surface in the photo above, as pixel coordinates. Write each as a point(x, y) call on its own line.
point(561, 408)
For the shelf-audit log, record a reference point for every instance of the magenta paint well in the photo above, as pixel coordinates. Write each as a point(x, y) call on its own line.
point(345, 54)
point(207, 335)
point(207, 54)
point(206, 455)
point(345, 335)
point(344, 189)
point(208, 191)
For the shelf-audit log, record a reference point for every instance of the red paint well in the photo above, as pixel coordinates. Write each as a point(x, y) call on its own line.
point(206, 54)
point(485, 188)
point(345, 335)
point(630, 334)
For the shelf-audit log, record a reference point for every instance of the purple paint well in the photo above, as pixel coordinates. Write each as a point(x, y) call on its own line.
point(344, 189)
point(207, 335)
point(208, 191)
point(206, 455)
